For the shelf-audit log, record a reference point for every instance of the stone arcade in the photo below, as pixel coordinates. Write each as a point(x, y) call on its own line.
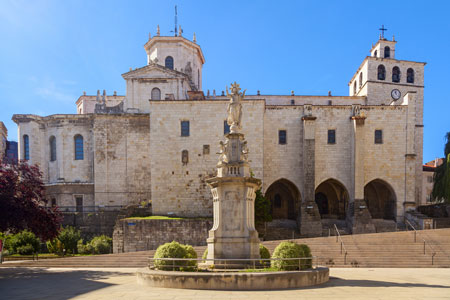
point(354, 161)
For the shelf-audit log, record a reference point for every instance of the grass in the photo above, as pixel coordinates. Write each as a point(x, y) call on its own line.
point(163, 218)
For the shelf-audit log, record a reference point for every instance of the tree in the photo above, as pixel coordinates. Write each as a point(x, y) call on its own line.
point(262, 208)
point(441, 188)
point(22, 202)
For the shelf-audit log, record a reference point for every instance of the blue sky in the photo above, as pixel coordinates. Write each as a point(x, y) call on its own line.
point(51, 51)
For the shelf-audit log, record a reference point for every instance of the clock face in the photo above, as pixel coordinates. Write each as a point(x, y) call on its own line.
point(395, 94)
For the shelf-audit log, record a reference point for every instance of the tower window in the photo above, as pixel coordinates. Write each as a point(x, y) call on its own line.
point(79, 153)
point(226, 127)
point(52, 144)
point(381, 72)
point(360, 79)
point(26, 147)
point(331, 136)
point(79, 203)
point(169, 62)
point(53, 202)
point(205, 149)
point(375, 54)
point(378, 136)
point(282, 137)
point(395, 74)
point(156, 94)
point(184, 128)
point(410, 76)
point(354, 87)
point(387, 52)
point(184, 157)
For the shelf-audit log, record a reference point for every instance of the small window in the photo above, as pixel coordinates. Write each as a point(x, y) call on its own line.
point(381, 72)
point(156, 94)
point(26, 147)
point(277, 201)
point(378, 136)
point(79, 203)
point(53, 202)
point(375, 54)
point(395, 74)
point(331, 136)
point(184, 128)
point(282, 138)
point(292, 102)
point(354, 87)
point(410, 76)
point(226, 127)
point(184, 157)
point(387, 52)
point(360, 79)
point(52, 144)
point(79, 153)
point(169, 62)
point(205, 149)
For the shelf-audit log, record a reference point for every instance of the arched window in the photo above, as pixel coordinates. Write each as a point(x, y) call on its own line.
point(79, 153)
point(156, 94)
point(387, 52)
point(360, 79)
point(395, 74)
point(375, 54)
point(381, 72)
point(52, 143)
point(184, 157)
point(410, 76)
point(198, 79)
point(354, 87)
point(169, 62)
point(26, 147)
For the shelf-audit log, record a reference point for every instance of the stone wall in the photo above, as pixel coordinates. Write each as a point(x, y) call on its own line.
point(91, 224)
point(132, 235)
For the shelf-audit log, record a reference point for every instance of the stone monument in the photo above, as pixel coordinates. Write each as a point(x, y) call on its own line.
point(233, 234)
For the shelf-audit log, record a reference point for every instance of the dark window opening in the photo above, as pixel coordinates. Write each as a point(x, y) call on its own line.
point(282, 137)
point(396, 74)
point(331, 136)
point(410, 76)
point(169, 62)
point(226, 127)
point(52, 143)
point(53, 202)
point(79, 203)
point(205, 149)
point(378, 136)
point(277, 200)
point(184, 157)
point(354, 87)
point(360, 79)
point(387, 52)
point(375, 53)
point(381, 72)
point(26, 147)
point(184, 128)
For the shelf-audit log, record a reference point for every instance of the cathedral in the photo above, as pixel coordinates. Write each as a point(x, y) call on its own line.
point(354, 160)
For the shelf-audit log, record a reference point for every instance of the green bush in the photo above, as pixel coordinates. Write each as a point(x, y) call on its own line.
point(175, 250)
point(205, 255)
point(69, 237)
point(264, 254)
point(55, 246)
point(26, 241)
point(101, 244)
point(287, 250)
point(306, 252)
point(84, 249)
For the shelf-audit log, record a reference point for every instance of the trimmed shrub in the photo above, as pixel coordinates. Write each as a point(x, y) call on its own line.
point(84, 249)
point(175, 250)
point(26, 241)
point(306, 252)
point(101, 244)
point(69, 237)
point(264, 254)
point(287, 250)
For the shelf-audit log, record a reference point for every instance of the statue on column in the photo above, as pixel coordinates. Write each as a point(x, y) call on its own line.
point(235, 107)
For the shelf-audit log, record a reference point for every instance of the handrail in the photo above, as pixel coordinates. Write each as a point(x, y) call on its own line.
point(339, 238)
point(425, 243)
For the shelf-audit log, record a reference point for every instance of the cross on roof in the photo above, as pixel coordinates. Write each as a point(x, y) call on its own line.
point(382, 29)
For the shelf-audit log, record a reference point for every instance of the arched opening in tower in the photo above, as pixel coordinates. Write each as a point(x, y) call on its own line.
point(331, 198)
point(284, 198)
point(380, 199)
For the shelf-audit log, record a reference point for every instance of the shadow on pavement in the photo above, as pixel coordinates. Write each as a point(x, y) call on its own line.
point(336, 281)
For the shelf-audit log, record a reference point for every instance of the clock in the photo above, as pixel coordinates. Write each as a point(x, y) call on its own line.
point(395, 94)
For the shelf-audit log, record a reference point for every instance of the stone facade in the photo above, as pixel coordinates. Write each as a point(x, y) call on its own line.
point(3, 139)
point(366, 147)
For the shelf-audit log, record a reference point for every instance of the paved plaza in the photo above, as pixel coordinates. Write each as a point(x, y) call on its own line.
point(351, 283)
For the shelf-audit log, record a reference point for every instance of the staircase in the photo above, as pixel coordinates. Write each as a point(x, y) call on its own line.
point(376, 250)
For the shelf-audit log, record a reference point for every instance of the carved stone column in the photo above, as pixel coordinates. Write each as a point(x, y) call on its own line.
point(309, 218)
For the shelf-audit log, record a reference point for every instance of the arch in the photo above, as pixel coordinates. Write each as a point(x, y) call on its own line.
point(169, 62)
point(26, 147)
point(332, 197)
point(284, 198)
point(78, 147)
point(156, 94)
point(381, 72)
point(387, 52)
point(360, 79)
point(410, 75)
point(381, 199)
point(52, 144)
point(375, 54)
point(395, 74)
